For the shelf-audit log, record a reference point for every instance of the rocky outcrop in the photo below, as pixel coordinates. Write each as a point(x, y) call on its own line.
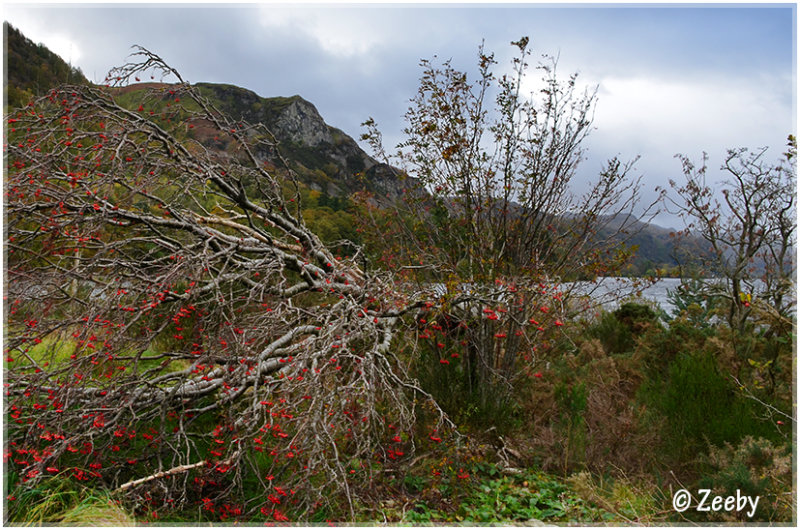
point(324, 157)
point(300, 122)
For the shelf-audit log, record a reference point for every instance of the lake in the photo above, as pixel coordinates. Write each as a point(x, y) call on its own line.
point(608, 293)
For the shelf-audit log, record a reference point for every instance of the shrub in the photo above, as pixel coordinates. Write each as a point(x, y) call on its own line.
point(618, 330)
point(613, 334)
point(636, 317)
point(571, 400)
point(755, 467)
point(586, 415)
point(700, 406)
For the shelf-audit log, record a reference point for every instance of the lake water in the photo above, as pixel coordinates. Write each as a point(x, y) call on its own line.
point(609, 293)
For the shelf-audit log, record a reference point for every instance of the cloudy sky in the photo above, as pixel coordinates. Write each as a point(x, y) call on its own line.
point(672, 79)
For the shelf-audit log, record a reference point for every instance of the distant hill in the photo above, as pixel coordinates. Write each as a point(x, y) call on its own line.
point(656, 246)
point(32, 69)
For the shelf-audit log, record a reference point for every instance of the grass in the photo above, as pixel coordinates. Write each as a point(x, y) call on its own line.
point(97, 510)
point(54, 352)
point(629, 501)
point(60, 501)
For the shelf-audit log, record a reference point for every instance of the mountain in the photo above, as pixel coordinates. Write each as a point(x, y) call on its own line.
point(655, 246)
point(325, 159)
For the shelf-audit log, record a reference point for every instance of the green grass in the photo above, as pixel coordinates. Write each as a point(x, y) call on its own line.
point(52, 350)
point(60, 501)
point(53, 353)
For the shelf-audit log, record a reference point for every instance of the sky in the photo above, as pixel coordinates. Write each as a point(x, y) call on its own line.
point(671, 79)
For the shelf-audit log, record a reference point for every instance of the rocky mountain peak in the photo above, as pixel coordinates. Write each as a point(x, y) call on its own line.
point(324, 157)
point(301, 122)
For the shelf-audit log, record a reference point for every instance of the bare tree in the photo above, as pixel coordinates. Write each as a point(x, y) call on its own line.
point(751, 232)
point(490, 206)
point(174, 329)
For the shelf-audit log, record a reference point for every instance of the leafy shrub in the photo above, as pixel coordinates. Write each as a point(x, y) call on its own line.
point(618, 330)
point(613, 334)
point(636, 317)
point(660, 349)
point(414, 483)
point(423, 514)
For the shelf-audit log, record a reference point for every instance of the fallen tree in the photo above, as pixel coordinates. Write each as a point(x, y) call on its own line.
point(169, 311)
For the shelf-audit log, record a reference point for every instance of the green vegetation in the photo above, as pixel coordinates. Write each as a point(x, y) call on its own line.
point(508, 499)
point(756, 467)
point(58, 501)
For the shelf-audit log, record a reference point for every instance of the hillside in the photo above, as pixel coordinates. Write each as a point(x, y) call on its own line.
point(656, 247)
point(32, 69)
point(325, 158)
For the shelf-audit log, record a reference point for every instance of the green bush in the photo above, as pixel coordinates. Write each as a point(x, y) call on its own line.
point(618, 330)
point(636, 317)
point(659, 350)
point(571, 400)
point(700, 406)
point(615, 336)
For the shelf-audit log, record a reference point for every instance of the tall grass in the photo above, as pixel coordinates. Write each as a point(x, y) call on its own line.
point(60, 501)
